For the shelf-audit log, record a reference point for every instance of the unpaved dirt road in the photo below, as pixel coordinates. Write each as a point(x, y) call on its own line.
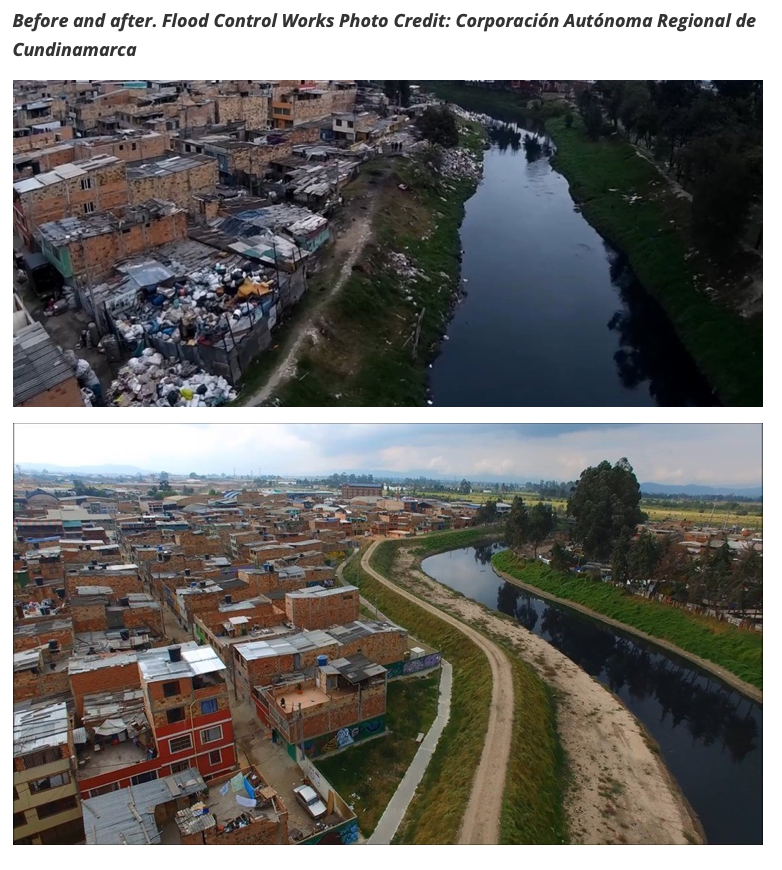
point(481, 822)
point(354, 239)
point(619, 791)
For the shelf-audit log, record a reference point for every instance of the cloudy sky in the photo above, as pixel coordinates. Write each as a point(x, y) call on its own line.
point(711, 454)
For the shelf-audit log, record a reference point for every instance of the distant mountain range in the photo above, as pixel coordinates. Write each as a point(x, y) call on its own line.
point(694, 489)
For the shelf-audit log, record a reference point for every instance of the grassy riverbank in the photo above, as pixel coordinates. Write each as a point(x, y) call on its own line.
point(436, 812)
point(532, 811)
point(739, 652)
point(624, 197)
point(367, 775)
point(376, 337)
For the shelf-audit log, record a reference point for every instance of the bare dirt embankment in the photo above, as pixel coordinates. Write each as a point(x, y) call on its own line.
point(619, 790)
point(481, 822)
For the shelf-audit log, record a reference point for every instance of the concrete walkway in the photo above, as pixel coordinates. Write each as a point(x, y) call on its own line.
point(397, 806)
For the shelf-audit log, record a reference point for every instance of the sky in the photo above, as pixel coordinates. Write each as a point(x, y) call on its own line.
point(707, 454)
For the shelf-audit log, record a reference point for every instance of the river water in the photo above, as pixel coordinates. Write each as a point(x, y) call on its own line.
point(553, 316)
point(710, 736)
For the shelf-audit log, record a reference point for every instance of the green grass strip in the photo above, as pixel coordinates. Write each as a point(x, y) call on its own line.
point(736, 650)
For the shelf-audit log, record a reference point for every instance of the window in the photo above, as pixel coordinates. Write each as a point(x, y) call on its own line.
point(171, 689)
point(179, 744)
point(133, 147)
point(45, 756)
point(121, 147)
point(209, 735)
point(58, 779)
point(339, 122)
point(88, 207)
point(215, 757)
point(209, 706)
point(55, 807)
point(86, 184)
point(175, 715)
point(104, 789)
point(19, 820)
point(143, 777)
point(180, 766)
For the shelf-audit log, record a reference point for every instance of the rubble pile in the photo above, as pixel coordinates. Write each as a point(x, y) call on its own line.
point(213, 303)
point(151, 380)
point(400, 264)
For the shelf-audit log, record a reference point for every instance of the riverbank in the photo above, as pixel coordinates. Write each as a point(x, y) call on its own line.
point(735, 656)
point(626, 199)
point(610, 779)
point(373, 340)
point(532, 811)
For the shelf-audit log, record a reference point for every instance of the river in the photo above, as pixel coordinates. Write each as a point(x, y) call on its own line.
point(553, 316)
point(710, 736)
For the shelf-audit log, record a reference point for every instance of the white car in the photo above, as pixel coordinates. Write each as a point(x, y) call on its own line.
point(309, 799)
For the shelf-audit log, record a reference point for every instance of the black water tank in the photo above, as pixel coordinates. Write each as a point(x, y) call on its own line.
point(175, 654)
point(60, 593)
point(124, 602)
point(54, 646)
point(227, 599)
point(39, 581)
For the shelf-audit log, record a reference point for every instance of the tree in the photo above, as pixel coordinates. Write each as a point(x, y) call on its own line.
point(644, 556)
point(465, 487)
point(721, 202)
point(605, 506)
point(517, 524)
point(487, 513)
point(568, 119)
point(438, 125)
point(561, 560)
point(620, 562)
point(397, 92)
point(542, 521)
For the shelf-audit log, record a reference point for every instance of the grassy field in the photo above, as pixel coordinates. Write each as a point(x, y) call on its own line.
point(532, 804)
point(366, 355)
point(740, 652)
point(367, 775)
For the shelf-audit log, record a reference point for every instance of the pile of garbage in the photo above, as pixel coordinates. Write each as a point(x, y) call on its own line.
point(460, 163)
point(91, 390)
point(214, 304)
point(403, 267)
point(150, 380)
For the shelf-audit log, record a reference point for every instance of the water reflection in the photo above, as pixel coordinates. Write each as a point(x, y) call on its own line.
point(548, 296)
point(710, 735)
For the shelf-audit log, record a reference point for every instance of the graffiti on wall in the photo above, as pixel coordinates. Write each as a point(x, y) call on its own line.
point(414, 666)
point(344, 737)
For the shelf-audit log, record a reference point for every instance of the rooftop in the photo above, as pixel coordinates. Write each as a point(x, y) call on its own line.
point(156, 665)
point(321, 591)
point(104, 223)
point(36, 727)
point(167, 165)
point(39, 364)
point(127, 816)
point(65, 173)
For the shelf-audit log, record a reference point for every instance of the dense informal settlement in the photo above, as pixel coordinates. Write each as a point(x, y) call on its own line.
point(181, 662)
point(163, 230)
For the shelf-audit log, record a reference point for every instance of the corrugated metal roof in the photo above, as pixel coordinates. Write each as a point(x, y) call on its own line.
point(39, 727)
point(39, 363)
point(127, 816)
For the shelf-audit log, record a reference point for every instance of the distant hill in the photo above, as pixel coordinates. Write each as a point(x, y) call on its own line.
point(82, 469)
point(694, 489)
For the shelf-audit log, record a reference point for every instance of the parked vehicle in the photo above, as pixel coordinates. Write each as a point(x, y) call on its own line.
point(309, 799)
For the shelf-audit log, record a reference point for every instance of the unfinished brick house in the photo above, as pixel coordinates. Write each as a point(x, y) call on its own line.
point(172, 178)
point(344, 701)
point(87, 248)
point(316, 607)
point(80, 188)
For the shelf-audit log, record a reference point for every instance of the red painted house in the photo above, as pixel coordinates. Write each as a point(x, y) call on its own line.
point(180, 718)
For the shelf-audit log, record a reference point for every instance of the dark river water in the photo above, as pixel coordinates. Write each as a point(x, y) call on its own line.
point(553, 316)
point(710, 736)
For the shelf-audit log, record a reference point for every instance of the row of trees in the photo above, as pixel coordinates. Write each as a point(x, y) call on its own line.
point(717, 579)
point(710, 135)
point(529, 526)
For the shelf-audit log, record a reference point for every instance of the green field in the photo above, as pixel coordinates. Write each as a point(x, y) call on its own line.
point(367, 774)
point(736, 650)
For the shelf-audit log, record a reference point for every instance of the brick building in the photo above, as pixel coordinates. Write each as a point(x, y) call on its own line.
point(43, 378)
point(343, 702)
point(352, 490)
point(87, 248)
point(80, 188)
point(173, 178)
point(316, 607)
